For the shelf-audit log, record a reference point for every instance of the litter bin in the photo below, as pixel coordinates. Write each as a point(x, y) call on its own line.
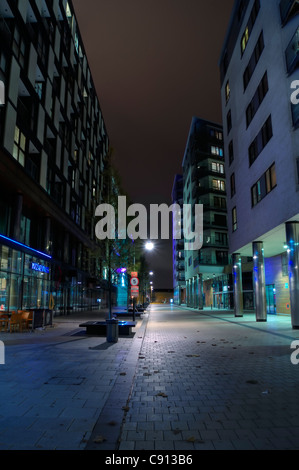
point(112, 331)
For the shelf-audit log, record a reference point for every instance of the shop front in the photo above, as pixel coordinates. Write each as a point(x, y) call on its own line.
point(25, 277)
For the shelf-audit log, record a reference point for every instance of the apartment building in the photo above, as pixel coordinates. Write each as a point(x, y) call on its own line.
point(179, 286)
point(204, 183)
point(258, 66)
point(53, 150)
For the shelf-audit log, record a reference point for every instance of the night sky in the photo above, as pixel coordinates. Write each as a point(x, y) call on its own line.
point(155, 66)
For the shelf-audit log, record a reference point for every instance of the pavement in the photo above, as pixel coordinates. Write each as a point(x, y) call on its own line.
point(185, 381)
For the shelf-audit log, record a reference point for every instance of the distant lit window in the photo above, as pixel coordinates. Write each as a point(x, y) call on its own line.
point(250, 24)
point(19, 146)
point(244, 39)
point(218, 185)
point(217, 151)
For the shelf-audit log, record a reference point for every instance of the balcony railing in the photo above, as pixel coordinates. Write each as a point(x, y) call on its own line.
point(292, 53)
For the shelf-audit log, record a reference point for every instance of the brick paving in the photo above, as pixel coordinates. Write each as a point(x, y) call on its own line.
point(185, 381)
point(210, 381)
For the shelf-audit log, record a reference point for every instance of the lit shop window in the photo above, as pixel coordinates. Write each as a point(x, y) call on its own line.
point(19, 146)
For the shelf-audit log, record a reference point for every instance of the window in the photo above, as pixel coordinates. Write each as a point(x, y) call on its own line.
point(229, 121)
point(231, 152)
point(284, 264)
point(220, 220)
point(257, 100)
point(263, 186)
point(261, 140)
point(219, 202)
point(221, 238)
point(222, 257)
point(244, 40)
point(218, 167)
point(218, 185)
point(295, 114)
point(234, 219)
point(217, 151)
point(39, 89)
point(19, 146)
point(227, 91)
point(232, 185)
point(19, 48)
point(250, 24)
point(259, 47)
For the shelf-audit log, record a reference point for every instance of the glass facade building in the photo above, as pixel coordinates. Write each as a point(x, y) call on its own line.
point(54, 149)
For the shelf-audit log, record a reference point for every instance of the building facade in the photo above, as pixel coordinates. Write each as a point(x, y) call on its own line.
point(53, 150)
point(258, 66)
point(178, 253)
point(204, 183)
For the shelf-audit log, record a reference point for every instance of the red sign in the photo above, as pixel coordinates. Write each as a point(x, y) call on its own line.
point(134, 281)
point(134, 274)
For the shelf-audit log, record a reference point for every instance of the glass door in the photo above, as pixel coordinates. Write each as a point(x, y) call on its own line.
point(271, 299)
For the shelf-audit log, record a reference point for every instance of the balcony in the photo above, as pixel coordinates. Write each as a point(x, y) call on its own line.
point(288, 9)
point(292, 53)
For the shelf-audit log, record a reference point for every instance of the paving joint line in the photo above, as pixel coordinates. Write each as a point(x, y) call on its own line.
point(108, 428)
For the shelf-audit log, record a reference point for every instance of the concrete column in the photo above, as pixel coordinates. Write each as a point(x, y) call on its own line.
point(259, 282)
point(200, 292)
point(238, 289)
point(194, 290)
point(292, 234)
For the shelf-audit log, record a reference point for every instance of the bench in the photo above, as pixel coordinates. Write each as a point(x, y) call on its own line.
point(99, 328)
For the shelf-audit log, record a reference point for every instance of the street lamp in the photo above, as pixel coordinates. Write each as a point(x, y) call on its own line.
point(149, 246)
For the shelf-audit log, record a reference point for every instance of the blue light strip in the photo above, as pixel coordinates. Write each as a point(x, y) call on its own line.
point(24, 246)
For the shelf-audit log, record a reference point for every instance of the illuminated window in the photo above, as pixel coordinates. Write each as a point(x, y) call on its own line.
point(19, 146)
point(219, 185)
point(245, 39)
point(217, 151)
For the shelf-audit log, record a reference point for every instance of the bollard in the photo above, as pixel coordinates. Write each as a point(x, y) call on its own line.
point(112, 331)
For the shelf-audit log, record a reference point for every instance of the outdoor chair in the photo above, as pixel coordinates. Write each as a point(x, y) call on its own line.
point(27, 320)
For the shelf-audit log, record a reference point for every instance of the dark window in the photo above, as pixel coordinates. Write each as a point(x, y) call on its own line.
point(263, 186)
point(261, 140)
point(259, 47)
point(249, 27)
point(222, 257)
point(231, 152)
point(258, 98)
point(229, 121)
point(234, 219)
point(232, 185)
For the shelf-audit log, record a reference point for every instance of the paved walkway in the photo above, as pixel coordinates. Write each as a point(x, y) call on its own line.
point(185, 380)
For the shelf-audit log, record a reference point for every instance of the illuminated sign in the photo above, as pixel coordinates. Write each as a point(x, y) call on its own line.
point(39, 268)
